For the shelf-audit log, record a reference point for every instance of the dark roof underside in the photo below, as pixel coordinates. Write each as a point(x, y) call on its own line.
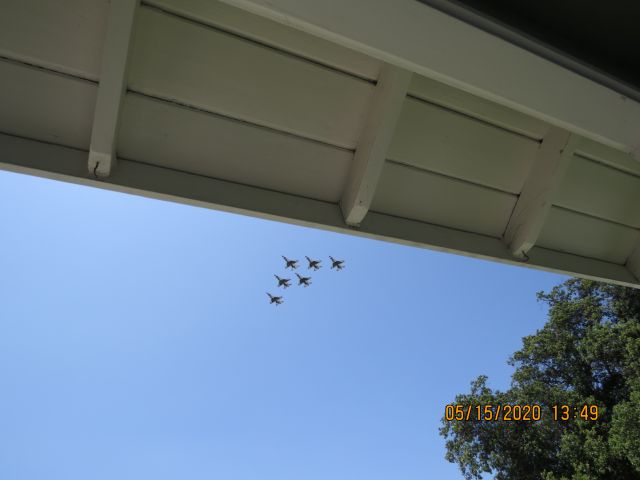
point(603, 35)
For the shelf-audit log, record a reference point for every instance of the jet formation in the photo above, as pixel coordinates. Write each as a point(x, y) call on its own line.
point(285, 283)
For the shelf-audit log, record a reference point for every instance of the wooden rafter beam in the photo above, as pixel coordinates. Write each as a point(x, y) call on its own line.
point(633, 262)
point(374, 143)
point(535, 200)
point(102, 155)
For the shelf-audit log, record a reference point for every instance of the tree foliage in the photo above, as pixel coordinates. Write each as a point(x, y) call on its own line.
point(588, 352)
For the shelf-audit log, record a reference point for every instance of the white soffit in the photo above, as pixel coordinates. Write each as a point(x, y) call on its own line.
point(169, 135)
point(587, 236)
point(598, 190)
point(420, 195)
point(484, 154)
point(65, 35)
point(234, 111)
point(192, 64)
point(234, 20)
point(46, 106)
point(426, 41)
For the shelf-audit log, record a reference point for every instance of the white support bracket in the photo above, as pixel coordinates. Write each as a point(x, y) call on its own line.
point(633, 262)
point(371, 152)
point(533, 205)
point(102, 155)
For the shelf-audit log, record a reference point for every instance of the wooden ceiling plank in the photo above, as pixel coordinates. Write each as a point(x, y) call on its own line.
point(172, 59)
point(272, 33)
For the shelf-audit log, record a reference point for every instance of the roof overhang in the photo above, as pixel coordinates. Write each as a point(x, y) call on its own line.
point(387, 119)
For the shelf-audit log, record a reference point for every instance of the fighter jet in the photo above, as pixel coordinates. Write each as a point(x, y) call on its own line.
point(283, 282)
point(306, 281)
point(315, 264)
point(337, 264)
point(276, 300)
point(290, 263)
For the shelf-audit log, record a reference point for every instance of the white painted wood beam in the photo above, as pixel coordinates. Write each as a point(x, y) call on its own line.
point(371, 152)
point(102, 155)
point(535, 200)
point(421, 39)
point(69, 164)
point(633, 262)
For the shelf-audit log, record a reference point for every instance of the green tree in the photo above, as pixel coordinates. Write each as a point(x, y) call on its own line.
point(588, 352)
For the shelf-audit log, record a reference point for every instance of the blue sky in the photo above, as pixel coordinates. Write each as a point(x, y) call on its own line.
point(136, 341)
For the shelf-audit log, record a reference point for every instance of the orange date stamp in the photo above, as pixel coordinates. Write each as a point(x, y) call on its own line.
point(519, 413)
